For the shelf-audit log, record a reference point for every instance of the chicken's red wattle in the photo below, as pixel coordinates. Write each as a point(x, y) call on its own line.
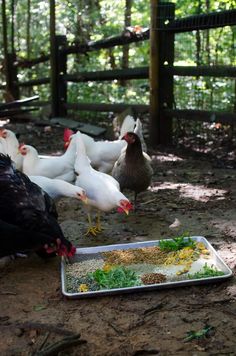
point(62, 251)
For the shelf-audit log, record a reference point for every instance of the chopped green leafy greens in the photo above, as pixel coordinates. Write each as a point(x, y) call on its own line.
point(177, 243)
point(205, 272)
point(117, 277)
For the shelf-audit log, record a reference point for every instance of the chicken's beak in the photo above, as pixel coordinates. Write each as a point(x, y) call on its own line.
point(66, 144)
point(126, 211)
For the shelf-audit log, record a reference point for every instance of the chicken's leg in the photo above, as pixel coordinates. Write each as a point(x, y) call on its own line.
point(92, 230)
point(99, 226)
point(135, 201)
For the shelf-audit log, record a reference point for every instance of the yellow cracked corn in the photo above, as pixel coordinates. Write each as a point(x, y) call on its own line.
point(83, 288)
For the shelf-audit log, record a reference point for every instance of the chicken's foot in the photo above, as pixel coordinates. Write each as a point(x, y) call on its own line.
point(92, 230)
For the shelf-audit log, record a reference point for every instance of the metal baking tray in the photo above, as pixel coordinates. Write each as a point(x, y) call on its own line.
point(214, 260)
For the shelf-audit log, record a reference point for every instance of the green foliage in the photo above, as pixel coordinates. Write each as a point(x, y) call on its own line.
point(83, 21)
point(177, 243)
point(200, 334)
point(117, 277)
point(206, 272)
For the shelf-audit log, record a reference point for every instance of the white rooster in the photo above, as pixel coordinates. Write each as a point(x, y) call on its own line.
point(57, 188)
point(61, 167)
point(102, 190)
point(11, 146)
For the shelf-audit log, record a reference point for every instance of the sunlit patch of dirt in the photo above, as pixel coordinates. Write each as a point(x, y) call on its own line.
point(166, 158)
point(195, 192)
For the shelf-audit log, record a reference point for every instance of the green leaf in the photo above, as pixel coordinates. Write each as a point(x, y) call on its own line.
point(193, 335)
point(39, 307)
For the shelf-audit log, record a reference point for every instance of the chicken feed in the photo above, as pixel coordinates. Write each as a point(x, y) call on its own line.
point(151, 265)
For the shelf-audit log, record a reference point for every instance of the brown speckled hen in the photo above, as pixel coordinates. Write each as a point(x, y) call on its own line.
point(133, 169)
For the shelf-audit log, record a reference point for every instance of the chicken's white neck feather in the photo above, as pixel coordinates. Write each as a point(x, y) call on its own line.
point(82, 161)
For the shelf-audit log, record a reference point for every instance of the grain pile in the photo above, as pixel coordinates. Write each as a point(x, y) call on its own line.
point(151, 255)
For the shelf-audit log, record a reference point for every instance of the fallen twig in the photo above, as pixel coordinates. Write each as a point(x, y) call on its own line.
point(39, 326)
point(8, 293)
point(154, 309)
point(44, 340)
point(148, 201)
point(61, 345)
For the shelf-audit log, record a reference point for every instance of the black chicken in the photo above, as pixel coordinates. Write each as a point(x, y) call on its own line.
point(133, 169)
point(29, 214)
point(13, 239)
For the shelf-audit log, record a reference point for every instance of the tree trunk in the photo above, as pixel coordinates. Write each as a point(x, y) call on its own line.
point(13, 26)
point(4, 31)
point(28, 28)
point(208, 35)
point(112, 58)
point(198, 59)
point(127, 23)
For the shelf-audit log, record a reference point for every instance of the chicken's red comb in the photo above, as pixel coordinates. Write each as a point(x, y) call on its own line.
point(67, 134)
point(21, 145)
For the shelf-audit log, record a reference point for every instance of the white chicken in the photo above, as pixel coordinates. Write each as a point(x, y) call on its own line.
point(102, 154)
point(61, 167)
point(139, 131)
point(127, 125)
point(123, 123)
point(2, 145)
point(57, 188)
point(11, 147)
point(102, 190)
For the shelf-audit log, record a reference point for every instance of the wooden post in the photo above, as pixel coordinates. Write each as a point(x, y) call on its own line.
point(53, 61)
point(161, 84)
point(61, 43)
point(58, 67)
point(12, 87)
point(12, 91)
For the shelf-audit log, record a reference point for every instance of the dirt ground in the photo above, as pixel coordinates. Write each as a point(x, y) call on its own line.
point(194, 189)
